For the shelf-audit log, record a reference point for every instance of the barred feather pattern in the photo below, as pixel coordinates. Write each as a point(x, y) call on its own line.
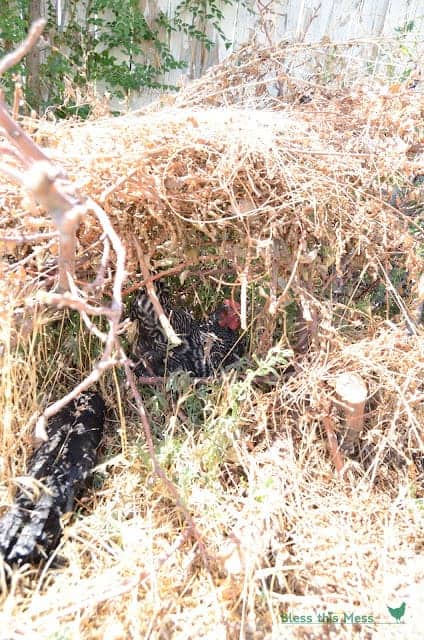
point(31, 529)
point(205, 347)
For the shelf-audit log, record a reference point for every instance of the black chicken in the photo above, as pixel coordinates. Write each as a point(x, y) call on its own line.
point(205, 346)
point(31, 529)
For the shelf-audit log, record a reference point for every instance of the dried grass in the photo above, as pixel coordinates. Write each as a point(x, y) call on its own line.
point(284, 201)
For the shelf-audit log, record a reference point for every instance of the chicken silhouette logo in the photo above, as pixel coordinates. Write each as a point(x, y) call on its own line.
point(398, 613)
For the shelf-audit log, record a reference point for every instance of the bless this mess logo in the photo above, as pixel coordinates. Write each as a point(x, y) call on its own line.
point(328, 617)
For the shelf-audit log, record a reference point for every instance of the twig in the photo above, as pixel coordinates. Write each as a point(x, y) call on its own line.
point(156, 466)
point(332, 442)
point(107, 192)
point(51, 188)
point(92, 327)
point(22, 238)
point(94, 376)
point(19, 138)
point(12, 59)
point(100, 278)
point(119, 250)
point(48, 185)
point(113, 314)
point(6, 149)
point(172, 271)
point(84, 315)
point(153, 380)
point(17, 98)
point(172, 337)
point(71, 301)
point(301, 34)
point(243, 297)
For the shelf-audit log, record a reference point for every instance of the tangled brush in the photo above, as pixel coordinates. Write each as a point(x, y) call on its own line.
point(306, 204)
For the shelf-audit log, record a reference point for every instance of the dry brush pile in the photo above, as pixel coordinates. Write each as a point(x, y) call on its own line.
point(305, 205)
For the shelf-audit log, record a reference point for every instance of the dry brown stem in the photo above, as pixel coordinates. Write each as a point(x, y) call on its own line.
point(156, 466)
point(172, 337)
point(23, 238)
point(156, 380)
point(332, 443)
point(100, 278)
point(172, 271)
point(73, 301)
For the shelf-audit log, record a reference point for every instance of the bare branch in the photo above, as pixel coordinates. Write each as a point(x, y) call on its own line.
point(71, 301)
point(22, 238)
point(332, 442)
point(30, 41)
point(107, 192)
point(100, 278)
point(13, 174)
point(19, 138)
point(172, 271)
point(48, 185)
point(119, 250)
point(156, 466)
point(243, 297)
point(92, 327)
point(172, 337)
point(54, 192)
point(11, 151)
point(103, 364)
point(17, 99)
point(50, 188)
point(113, 313)
point(84, 315)
point(154, 380)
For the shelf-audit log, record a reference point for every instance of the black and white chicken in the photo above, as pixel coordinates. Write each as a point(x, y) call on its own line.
point(32, 527)
point(205, 347)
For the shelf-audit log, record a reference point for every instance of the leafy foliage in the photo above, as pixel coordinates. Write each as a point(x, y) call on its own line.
point(112, 43)
point(13, 28)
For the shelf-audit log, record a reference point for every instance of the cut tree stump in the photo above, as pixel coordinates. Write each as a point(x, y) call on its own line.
point(352, 393)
